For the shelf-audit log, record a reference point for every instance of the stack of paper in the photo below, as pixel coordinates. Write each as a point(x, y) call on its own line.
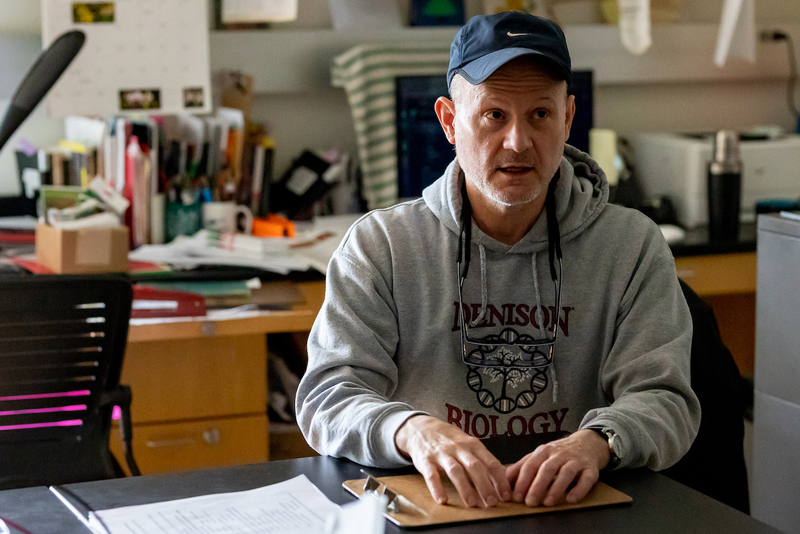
point(295, 506)
point(309, 249)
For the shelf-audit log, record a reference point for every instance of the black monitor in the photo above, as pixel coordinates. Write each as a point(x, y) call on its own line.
point(583, 88)
point(423, 151)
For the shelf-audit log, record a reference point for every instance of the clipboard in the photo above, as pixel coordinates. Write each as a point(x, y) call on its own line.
point(426, 512)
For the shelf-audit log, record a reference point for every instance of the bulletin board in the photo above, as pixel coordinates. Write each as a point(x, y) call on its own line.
point(143, 56)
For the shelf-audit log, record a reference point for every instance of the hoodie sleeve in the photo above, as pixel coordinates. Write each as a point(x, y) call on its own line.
point(646, 375)
point(343, 401)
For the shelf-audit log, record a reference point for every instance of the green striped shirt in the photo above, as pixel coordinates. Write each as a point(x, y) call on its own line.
point(367, 74)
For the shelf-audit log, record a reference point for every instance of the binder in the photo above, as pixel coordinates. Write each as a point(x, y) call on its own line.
point(153, 302)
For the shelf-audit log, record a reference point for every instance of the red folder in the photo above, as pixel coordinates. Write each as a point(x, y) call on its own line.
point(151, 302)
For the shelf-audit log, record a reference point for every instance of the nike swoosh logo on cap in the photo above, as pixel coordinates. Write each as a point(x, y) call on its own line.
point(516, 34)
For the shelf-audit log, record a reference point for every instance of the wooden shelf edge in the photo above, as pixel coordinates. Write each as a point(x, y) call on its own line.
point(268, 323)
point(721, 274)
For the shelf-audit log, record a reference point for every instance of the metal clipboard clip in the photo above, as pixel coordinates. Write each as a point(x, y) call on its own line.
point(395, 501)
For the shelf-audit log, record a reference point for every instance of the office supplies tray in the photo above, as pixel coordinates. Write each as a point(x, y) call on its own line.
point(427, 512)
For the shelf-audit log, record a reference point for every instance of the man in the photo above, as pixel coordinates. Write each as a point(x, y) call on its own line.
point(571, 319)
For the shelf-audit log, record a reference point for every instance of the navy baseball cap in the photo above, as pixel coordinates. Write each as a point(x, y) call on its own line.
point(486, 42)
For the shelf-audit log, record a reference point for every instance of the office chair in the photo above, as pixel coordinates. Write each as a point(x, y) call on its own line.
point(715, 463)
point(62, 341)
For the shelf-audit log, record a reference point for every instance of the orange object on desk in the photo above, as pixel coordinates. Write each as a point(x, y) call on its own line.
point(273, 226)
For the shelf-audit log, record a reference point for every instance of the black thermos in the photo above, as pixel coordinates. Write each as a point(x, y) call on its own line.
point(724, 187)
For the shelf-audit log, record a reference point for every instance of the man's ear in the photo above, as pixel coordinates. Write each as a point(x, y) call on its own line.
point(446, 111)
point(570, 114)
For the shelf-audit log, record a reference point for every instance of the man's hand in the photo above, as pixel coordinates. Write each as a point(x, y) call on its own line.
point(560, 471)
point(435, 446)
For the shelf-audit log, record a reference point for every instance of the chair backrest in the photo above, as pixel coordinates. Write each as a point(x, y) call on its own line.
point(715, 463)
point(62, 341)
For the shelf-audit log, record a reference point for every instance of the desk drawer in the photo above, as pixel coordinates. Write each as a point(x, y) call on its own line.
point(196, 378)
point(719, 274)
point(162, 448)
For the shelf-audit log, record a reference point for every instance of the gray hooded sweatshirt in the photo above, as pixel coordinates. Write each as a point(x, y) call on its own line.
point(386, 343)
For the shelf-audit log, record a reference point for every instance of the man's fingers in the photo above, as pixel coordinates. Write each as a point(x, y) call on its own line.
point(565, 469)
point(433, 480)
point(585, 483)
point(485, 472)
point(513, 470)
point(563, 480)
point(541, 484)
point(500, 481)
point(527, 473)
point(436, 447)
point(458, 476)
point(480, 474)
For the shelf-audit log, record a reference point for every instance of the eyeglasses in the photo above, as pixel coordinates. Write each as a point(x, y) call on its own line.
point(488, 350)
point(509, 348)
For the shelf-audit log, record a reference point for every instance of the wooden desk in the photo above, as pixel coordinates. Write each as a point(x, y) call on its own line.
point(728, 283)
point(724, 274)
point(200, 387)
point(660, 505)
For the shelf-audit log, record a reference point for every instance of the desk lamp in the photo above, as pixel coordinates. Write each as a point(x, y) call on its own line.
point(43, 75)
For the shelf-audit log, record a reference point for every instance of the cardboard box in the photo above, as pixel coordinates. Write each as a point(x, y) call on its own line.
point(88, 250)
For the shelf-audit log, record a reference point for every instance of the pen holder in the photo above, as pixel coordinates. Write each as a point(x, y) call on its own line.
point(182, 219)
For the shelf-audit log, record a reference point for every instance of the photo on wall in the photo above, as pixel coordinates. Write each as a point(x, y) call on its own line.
point(92, 12)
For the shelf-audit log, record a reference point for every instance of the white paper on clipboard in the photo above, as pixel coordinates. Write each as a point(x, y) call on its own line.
point(143, 56)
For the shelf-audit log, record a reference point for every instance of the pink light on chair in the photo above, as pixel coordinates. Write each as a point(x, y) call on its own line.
point(73, 408)
point(80, 393)
point(73, 422)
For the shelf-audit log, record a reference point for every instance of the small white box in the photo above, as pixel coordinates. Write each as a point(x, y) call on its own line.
point(676, 165)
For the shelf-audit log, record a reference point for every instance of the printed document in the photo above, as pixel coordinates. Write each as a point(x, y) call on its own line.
point(295, 506)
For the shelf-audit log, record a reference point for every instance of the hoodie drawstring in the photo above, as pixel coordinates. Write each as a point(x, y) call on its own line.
point(484, 289)
point(554, 242)
point(539, 313)
point(540, 319)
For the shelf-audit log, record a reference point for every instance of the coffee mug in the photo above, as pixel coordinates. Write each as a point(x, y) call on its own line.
point(224, 216)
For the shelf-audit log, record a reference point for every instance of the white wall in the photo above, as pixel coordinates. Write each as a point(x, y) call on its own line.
point(20, 16)
point(625, 108)
point(692, 107)
point(40, 130)
point(19, 46)
point(321, 119)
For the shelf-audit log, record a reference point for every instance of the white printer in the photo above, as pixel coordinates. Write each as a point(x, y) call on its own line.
point(676, 165)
